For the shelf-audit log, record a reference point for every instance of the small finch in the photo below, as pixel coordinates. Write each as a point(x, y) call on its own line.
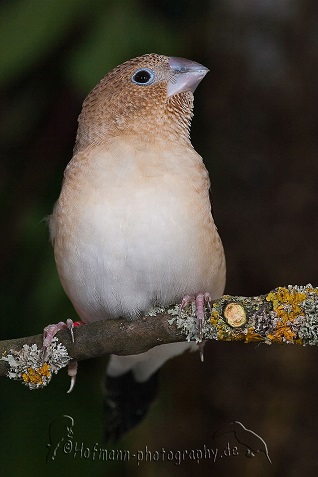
point(133, 227)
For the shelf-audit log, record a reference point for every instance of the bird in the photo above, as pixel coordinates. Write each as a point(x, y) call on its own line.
point(132, 227)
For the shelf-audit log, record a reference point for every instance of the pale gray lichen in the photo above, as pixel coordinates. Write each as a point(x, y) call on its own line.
point(155, 311)
point(308, 328)
point(27, 364)
point(188, 324)
point(260, 322)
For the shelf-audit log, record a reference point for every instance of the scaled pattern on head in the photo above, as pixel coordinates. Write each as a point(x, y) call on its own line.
point(124, 102)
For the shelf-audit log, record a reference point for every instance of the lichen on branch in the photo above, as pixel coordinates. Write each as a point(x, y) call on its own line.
point(285, 315)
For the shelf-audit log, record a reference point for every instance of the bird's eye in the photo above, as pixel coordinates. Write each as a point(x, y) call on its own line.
point(143, 77)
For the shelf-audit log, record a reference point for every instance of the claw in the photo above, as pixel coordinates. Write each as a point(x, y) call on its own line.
point(70, 325)
point(72, 372)
point(198, 301)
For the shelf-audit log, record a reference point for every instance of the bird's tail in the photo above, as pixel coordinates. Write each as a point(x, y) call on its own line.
point(126, 402)
point(132, 385)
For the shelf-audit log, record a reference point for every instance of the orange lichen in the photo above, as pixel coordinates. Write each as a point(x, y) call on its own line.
point(223, 331)
point(287, 306)
point(251, 336)
point(286, 303)
point(282, 333)
point(214, 318)
point(35, 376)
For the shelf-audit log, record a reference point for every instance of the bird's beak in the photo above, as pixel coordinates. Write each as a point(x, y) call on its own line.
point(186, 75)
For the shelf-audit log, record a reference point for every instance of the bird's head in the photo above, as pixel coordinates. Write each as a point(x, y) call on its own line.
point(148, 96)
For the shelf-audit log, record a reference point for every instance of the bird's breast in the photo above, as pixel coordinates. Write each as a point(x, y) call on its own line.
point(132, 228)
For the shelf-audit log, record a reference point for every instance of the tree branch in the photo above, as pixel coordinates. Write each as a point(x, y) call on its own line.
point(285, 315)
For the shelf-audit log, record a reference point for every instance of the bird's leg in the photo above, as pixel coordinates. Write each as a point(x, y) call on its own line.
point(198, 300)
point(48, 334)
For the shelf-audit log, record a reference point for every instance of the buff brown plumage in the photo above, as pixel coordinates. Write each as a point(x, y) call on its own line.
point(133, 227)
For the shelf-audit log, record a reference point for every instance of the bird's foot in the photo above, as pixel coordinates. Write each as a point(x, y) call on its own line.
point(48, 334)
point(198, 301)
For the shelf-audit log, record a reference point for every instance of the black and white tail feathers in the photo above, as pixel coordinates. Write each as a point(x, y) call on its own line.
point(127, 402)
point(132, 385)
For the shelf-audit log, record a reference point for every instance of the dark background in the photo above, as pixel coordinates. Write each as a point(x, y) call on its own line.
point(255, 124)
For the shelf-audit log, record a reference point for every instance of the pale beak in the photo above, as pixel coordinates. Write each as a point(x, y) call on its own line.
point(186, 76)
